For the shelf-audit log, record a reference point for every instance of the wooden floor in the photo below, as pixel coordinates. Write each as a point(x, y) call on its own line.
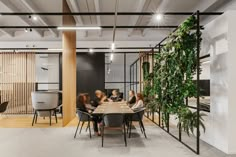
point(25, 121)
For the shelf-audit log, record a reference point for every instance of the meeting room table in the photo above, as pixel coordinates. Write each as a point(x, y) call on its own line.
point(113, 107)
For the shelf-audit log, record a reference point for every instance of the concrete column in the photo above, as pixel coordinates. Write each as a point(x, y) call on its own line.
point(219, 39)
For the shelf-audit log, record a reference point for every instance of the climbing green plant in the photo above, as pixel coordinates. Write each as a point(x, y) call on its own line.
point(173, 73)
point(146, 79)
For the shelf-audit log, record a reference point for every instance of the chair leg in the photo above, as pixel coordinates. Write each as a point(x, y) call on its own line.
point(140, 125)
point(89, 129)
point(127, 124)
point(77, 129)
point(36, 117)
point(130, 128)
point(102, 134)
point(33, 118)
point(50, 118)
point(143, 129)
point(81, 127)
point(55, 112)
point(125, 136)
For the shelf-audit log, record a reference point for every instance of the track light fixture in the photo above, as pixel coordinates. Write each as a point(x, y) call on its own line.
point(27, 30)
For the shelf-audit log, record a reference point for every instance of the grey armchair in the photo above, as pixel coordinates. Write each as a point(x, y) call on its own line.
point(44, 105)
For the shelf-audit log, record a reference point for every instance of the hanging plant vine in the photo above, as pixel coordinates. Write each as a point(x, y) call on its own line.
point(174, 69)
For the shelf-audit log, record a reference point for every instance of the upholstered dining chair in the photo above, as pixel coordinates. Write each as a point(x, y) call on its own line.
point(137, 117)
point(83, 117)
point(113, 120)
point(44, 105)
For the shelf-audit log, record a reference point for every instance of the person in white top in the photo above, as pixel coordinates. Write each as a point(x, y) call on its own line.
point(139, 102)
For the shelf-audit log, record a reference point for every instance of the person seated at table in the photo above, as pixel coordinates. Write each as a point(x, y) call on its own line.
point(139, 102)
point(88, 102)
point(104, 97)
point(81, 105)
point(99, 98)
point(132, 98)
point(115, 96)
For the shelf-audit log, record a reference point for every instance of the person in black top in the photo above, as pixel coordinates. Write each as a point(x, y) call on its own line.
point(132, 98)
point(81, 105)
point(115, 96)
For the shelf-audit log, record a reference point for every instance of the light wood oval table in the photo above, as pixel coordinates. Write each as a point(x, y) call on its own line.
point(113, 107)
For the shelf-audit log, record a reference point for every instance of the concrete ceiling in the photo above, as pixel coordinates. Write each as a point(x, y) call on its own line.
point(144, 35)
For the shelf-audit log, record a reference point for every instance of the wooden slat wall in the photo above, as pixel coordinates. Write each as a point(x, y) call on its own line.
point(17, 81)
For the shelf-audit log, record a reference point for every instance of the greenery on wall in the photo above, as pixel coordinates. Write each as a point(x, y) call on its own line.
point(146, 79)
point(172, 76)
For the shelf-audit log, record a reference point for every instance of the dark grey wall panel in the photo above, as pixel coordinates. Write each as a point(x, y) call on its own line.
point(90, 72)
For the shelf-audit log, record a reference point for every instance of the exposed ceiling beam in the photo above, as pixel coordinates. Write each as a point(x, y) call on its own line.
point(31, 8)
point(9, 33)
point(73, 5)
point(97, 8)
point(134, 20)
point(13, 8)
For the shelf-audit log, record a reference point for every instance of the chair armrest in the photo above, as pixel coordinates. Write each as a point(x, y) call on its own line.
point(86, 113)
point(139, 110)
point(59, 106)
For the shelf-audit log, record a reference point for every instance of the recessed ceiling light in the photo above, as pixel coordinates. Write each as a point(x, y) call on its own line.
point(159, 17)
point(90, 50)
point(26, 30)
point(35, 18)
point(79, 28)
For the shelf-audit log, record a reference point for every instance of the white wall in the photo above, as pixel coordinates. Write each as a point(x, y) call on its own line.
point(51, 62)
point(219, 40)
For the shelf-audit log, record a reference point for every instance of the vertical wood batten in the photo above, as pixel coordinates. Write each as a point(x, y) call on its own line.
point(14, 86)
point(68, 67)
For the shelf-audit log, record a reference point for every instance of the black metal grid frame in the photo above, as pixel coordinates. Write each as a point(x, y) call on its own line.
point(125, 81)
point(99, 14)
point(198, 109)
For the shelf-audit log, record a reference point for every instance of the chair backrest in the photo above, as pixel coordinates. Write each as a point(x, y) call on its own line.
point(83, 116)
point(44, 100)
point(3, 107)
point(113, 120)
point(138, 114)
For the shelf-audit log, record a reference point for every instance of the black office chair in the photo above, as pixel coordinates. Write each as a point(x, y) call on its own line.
point(113, 120)
point(83, 117)
point(3, 107)
point(137, 117)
